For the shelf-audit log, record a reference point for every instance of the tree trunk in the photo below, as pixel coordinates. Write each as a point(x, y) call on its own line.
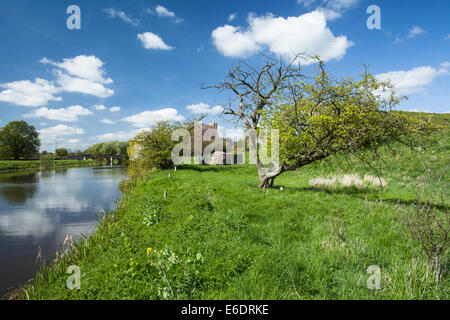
point(437, 268)
point(267, 180)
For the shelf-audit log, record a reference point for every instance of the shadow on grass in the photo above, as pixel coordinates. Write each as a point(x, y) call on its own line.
point(367, 194)
point(209, 168)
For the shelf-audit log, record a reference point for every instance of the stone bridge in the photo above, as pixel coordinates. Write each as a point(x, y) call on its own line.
point(109, 158)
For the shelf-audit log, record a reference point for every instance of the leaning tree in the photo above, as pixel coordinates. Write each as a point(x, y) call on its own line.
point(317, 116)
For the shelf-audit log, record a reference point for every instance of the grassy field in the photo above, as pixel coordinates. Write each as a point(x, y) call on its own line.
point(217, 236)
point(19, 165)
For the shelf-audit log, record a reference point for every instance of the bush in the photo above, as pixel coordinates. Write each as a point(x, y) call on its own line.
point(154, 147)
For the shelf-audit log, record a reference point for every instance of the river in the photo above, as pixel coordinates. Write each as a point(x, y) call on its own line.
point(39, 209)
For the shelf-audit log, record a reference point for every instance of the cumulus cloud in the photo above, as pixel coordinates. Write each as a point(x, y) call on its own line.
point(114, 109)
point(58, 131)
point(165, 13)
point(69, 114)
point(414, 80)
point(232, 16)
point(203, 108)
point(333, 9)
point(120, 135)
point(113, 13)
point(29, 93)
point(99, 107)
point(150, 118)
point(286, 37)
point(415, 31)
point(150, 41)
point(107, 121)
point(82, 74)
point(73, 84)
point(85, 67)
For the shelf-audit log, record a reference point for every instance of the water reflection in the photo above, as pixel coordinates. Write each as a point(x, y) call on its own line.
point(41, 208)
point(17, 188)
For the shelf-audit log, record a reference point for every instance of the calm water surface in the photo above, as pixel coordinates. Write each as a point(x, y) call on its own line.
point(38, 209)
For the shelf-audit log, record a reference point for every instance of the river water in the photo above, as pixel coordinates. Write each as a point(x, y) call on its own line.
point(39, 209)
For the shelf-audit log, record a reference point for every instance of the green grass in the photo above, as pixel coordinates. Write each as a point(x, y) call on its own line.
point(217, 236)
point(33, 164)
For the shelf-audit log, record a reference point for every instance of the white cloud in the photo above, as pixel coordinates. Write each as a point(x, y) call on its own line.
point(152, 41)
point(99, 107)
point(307, 34)
point(82, 74)
point(332, 9)
point(73, 84)
point(28, 93)
point(166, 13)
point(47, 135)
point(73, 141)
point(447, 37)
point(150, 118)
point(415, 31)
point(163, 12)
point(232, 16)
point(115, 109)
point(113, 13)
point(445, 66)
point(203, 108)
point(120, 135)
point(85, 67)
point(69, 114)
point(107, 121)
point(414, 80)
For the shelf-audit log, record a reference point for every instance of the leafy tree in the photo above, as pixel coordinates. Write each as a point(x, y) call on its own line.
point(154, 147)
point(110, 148)
point(317, 117)
point(19, 139)
point(61, 153)
point(98, 157)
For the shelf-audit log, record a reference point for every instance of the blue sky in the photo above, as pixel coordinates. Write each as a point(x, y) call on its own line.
point(136, 62)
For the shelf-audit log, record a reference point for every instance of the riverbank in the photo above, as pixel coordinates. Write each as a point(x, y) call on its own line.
point(216, 236)
point(12, 165)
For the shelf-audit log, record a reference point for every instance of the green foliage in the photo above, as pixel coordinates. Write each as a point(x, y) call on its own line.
point(154, 147)
point(61, 153)
point(110, 148)
point(18, 140)
point(325, 116)
point(151, 211)
point(46, 161)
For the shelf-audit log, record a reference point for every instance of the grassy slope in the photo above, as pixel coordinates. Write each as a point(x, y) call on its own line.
point(33, 164)
point(233, 241)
